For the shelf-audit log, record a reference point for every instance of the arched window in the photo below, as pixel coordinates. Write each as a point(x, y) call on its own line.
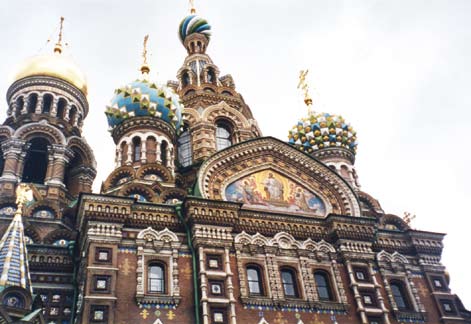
point(72, 115)
point(211, 76)
point(2, 159)
point(163, 152)
point(136, 147)
point(254, 280)
point(400, 297)
point(72, 176)
point(47, 103)
point(61, 104)
point(184, 148)
point(156, 278)
point(36, 161)
point(14, 300)
point(151, 147)
point(185, 79)
point(19, 106)
point(223, 136)
point(290, 286)
point(324, 289)
point(32, 101)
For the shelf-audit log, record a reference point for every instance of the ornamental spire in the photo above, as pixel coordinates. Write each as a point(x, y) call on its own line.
point(305, 89)
point(145, 67)
point(192, 7)
point(58, 46)
point(14, 269)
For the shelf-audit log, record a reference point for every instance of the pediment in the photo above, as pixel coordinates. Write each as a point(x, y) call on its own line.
point(268, 174)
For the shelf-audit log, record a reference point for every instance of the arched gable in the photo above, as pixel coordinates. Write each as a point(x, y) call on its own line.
point(85, 151)
point(41, 128)
point(269, 155)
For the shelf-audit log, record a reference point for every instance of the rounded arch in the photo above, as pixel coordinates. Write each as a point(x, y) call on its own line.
point(31, 232)
point(140, 189)
point(118, 174)
point(40, 129)
point(36, 161)
point(79, 145)
point(58, 235)
point(61, 107)
point(31, 102)
point(191, 116)
point(48, 99)
point(154, 168)
point(390, 221)
point(223, 110)
point(42, 205)
point(20, 102)
point(172, 193)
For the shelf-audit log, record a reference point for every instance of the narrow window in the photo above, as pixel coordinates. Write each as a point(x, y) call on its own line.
point(136, 145)
point(163, 153)
point(288, 278)
point(19, 106)
point(223, 136)
point(399, 295)
point(254, 280)
point(72, 115)
point(47, 103)
point(36, 161)
point(185, 79)
point(61, 104)
point(184, 148)
point(323, 286)
point(32, 101)
point(156, 275)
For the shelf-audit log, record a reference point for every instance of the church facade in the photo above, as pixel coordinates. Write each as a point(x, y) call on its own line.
point(203, 219)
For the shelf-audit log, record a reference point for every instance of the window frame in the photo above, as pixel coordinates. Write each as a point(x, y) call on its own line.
point(402, 290)
point(163, 280)
point(94, 308)
point(328, 285)
point(295, 284)
point(229, 140)
point(260, 282)
point(185, 149)
point(217, 257)
point(105, 290)
point(99, 250)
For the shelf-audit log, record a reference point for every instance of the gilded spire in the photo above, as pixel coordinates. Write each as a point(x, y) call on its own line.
point(14, 269)
point(305, 89)
point(192, 7)
point(145, 67)
point(58, 46)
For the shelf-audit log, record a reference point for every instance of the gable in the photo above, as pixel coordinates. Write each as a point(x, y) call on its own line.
point(298, 182)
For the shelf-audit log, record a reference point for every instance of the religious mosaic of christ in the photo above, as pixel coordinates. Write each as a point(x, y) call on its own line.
point(270, 190)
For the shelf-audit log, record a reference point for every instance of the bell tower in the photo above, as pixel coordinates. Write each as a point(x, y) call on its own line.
point(215, 115)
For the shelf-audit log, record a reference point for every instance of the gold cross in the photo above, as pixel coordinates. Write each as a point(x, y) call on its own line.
point(58, 47)
point(192, 7)
point(423, 290)
point(305, 88)
point(144, 52)
point(171, 315)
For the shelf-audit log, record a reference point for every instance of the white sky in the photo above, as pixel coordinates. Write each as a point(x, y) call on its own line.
point(399, 71)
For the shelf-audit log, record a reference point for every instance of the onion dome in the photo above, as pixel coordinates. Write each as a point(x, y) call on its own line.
point(144, 98)
point(193, 24)
point(54, 65)
point(322, 130)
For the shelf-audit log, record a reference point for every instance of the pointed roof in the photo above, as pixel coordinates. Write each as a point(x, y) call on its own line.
point(14, 269)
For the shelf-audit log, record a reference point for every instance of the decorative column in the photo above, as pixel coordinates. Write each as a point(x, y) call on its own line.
point(61, 156)
point(157, 151)
point(204, 287)
point(39, 104)
point(54, 107)
point(143, 151)
point(66, 112)
point(129, 152)
point(230, 287)
point(12, 150)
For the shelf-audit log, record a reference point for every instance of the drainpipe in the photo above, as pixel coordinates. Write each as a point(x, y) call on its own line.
point(178, 209)
point(71, 248)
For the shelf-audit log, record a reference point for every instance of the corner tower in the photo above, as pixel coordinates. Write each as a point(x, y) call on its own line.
point(144, 120)
point(215, 114)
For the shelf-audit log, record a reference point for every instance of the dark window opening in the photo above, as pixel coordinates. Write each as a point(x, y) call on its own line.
point(47, 103)
point(61, 104)
point(32, 102)
point(163, 153)
point(184, 149)
point(72, 174)
point(254, 280)
point(211, 76)
point(399, 295)
point(185, 79)
point(290, 287)
point(72, 115)
point(136, 145)
point(323, 286)
point(36, 161)
point(19, 106)
point(156, 278)
point(2, 159)
point(223, 136)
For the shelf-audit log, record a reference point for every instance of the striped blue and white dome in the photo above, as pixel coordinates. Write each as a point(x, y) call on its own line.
point(144, 98)
point(193, 24)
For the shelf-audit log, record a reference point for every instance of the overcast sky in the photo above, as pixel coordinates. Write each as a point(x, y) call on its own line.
point(399, 71)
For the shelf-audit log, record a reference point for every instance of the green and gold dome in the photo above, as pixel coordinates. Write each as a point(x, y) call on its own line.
point(322, 130)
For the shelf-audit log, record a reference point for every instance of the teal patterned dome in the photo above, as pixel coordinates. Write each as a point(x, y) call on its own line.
point(322, 130)
point(144, 98)
point(193, 24)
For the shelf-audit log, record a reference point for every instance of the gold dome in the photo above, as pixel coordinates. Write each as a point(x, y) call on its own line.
point(53, 65)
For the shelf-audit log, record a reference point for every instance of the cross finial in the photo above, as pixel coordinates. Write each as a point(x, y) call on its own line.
point(58, 47)
point(145, 67)
point(305, 89)
point(408, 218)
point(192, 7)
